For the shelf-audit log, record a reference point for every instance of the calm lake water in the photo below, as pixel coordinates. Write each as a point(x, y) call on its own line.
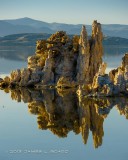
point(48, 124)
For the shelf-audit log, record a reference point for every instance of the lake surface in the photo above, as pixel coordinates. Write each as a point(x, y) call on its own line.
point(52, 125)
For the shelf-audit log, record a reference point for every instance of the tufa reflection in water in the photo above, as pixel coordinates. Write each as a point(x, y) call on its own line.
point(62, 112)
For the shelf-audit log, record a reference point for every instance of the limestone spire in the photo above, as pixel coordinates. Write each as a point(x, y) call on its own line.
point(83, 37)
point(83, 41)
point(83, 57)
point(96, 30)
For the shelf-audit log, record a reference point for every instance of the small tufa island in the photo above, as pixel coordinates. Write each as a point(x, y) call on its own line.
point(62, 62)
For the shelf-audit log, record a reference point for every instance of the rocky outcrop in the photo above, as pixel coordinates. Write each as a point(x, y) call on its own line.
point(62, 61)
point(120, 76)
point(72, 62)
point(113, 84)
point(90, 54)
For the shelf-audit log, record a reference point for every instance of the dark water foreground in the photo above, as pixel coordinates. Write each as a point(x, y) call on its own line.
point(63, 126)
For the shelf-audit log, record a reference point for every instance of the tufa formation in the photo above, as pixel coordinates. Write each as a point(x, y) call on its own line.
point(71, 62)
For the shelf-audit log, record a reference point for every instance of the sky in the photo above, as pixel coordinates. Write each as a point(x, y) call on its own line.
point(67, 11)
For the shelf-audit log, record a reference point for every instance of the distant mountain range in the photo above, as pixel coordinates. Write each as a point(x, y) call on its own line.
point(28, 25)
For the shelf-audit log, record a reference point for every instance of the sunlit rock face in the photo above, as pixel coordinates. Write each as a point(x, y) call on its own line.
point(83, 58)
point(102, 85)
point(96, 49)
point(62, 61)
point(62, 112)
point(114, 83)
point(120, 76)
point(90, 54)
point(65, 62)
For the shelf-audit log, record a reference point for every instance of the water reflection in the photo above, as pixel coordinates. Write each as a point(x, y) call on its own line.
point(17, 53)
point(21, 52)
point(62, 112)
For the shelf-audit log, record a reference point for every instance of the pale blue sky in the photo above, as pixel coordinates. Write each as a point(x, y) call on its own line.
point(67, 11)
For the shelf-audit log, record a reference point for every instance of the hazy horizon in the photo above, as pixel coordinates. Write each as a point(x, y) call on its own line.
point(69, 12)
point(62, 22)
